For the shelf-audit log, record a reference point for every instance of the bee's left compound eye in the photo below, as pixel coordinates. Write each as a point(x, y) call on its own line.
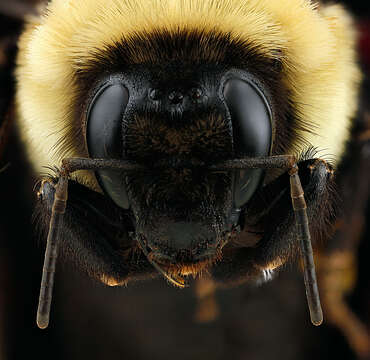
point(104, 140)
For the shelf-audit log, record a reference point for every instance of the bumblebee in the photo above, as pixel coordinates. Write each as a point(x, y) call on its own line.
point(178, 128)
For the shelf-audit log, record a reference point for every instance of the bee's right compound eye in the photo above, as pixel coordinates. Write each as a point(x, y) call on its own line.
point(104, 137)
point(252, 132)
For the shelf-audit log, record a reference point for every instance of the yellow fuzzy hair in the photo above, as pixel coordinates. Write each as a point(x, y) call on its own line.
point(316, 48)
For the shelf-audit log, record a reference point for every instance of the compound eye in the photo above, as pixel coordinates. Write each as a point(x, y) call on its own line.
point(252, 132)
point(104, 137)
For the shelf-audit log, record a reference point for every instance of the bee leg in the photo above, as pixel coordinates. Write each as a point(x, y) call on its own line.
point(270, 219)
point(338, 267)
point(91, 236)
point(207, 306)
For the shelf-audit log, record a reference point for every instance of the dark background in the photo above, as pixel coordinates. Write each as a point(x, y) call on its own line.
point(148, 320)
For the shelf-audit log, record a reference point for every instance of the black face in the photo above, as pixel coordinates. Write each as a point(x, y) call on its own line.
point(173, 115)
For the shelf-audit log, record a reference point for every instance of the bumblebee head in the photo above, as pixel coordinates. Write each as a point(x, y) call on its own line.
point(174, 114)
point(179, 83)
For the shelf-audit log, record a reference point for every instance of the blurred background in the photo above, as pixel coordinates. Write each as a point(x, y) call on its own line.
point(151, 320)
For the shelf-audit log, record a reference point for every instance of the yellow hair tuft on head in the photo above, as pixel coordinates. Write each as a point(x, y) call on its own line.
point(315, 47)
